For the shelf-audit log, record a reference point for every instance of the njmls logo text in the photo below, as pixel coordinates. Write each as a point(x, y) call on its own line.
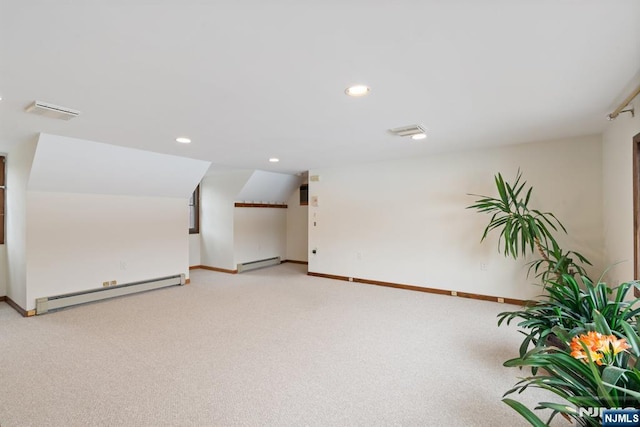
point(613, 417)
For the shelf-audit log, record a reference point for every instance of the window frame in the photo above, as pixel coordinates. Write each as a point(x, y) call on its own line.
point(194, 203)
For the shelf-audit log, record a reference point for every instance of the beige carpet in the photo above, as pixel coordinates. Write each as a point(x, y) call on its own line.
point(272, 347)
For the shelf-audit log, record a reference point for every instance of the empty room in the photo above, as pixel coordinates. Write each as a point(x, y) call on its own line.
point(416, 213)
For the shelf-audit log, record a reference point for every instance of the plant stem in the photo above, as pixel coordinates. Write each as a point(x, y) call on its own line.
point(543, 254)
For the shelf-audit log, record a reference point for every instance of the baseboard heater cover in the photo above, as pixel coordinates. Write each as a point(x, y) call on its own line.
point(252, 265)
point(46, 304)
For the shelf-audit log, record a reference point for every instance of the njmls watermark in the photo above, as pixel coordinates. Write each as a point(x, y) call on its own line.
point(613, 417)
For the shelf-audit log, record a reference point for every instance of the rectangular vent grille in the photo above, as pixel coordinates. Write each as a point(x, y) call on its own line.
point(407, 130)
point(52, 111)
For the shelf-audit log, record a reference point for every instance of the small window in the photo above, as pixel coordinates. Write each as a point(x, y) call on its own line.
point(194, 212)
point(304, 195)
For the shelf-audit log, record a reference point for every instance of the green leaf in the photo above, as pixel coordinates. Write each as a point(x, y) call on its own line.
point(626, 390)
point(601, 323)
point(558, 408)
point(501, 189)
point(603, 390)
point(525, 412)
point(528, 196)
point(561, 333)
point(632, 337)
point(611, 375)
point(566, 409)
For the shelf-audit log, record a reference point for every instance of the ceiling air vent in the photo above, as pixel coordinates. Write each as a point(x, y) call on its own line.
point(408, 130)
point(51, 111)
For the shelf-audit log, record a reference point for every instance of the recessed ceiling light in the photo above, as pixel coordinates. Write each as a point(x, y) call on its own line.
point(274, 160)
point(419, 136)
point(183, 140)
point(357, 90)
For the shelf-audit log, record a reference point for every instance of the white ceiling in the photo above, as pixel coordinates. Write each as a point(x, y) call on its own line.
point(70, 165)
point(248, 80)
point(268, 187)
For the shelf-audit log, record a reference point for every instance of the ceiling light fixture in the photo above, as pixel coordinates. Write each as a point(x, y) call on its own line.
point(274, 160)
point(357, 90)
point(418, 136)
point(183, 140)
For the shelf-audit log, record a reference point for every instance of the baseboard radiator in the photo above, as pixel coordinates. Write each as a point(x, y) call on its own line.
point(252, 265)
point(47, 304)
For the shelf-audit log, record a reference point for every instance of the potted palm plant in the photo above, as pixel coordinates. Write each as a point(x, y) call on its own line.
point(524, 230)
point(581, 338)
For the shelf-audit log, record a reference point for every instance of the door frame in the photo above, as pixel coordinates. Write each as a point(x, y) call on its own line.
point(636, 210)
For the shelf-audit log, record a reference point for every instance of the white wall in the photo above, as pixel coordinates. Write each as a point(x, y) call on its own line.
point(230, 235)
point(617, 166)
point(194, 249)
point(259, 233)
point(77, 241)
point(217, 195)
point(406, 222)
point(297, 229)
point(19, 160)
point(68, 229)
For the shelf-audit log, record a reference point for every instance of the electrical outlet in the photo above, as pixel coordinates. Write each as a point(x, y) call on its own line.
point(105, 284)
point(484, 266)
point(454, 294)
point(500, 299)
point(351, 279)
point(114, 282)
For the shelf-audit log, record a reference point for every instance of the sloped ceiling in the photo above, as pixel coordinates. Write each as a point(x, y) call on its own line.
point(249, 80)
point(268, 187)
point(70, 165)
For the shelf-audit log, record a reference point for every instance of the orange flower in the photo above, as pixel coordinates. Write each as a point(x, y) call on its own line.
point(599, 347)
point(616, 346)
point(579, 353)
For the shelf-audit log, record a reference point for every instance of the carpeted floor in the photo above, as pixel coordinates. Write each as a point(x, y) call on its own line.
point(272, 347)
